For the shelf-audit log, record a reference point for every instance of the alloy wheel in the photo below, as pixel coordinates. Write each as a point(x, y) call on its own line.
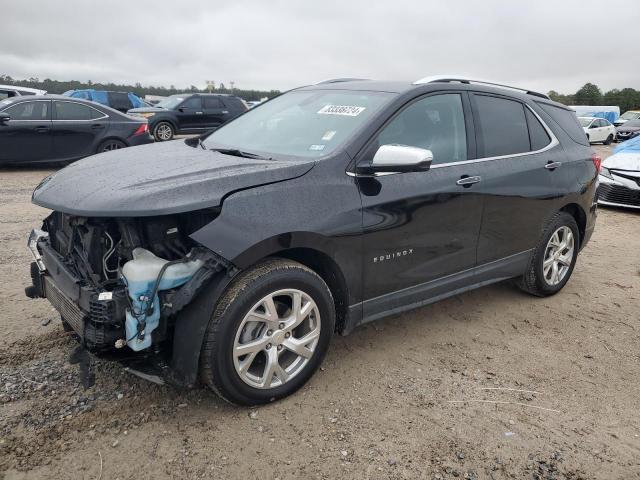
point(558, 256)
point(163, 132)
point(109, 146)
point(276, 338)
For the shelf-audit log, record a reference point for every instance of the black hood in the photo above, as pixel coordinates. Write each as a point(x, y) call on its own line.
point(158, 179)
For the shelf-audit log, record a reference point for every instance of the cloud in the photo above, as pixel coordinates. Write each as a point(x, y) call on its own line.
point(542, 45)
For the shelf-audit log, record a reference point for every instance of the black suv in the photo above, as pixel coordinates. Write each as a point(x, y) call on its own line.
point(233, 259)
point(189, 113)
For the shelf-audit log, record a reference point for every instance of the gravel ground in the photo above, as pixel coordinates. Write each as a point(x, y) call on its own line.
point(489, 384)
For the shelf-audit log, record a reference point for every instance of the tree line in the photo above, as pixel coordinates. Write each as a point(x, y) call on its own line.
point(57, 86)
point(590, 94)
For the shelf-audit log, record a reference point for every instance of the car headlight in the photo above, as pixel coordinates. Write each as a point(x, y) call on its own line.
point(606, 173)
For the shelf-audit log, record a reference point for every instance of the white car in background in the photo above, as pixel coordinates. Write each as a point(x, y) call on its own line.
point(598, 129)
point(8, 91)
point(620, 176)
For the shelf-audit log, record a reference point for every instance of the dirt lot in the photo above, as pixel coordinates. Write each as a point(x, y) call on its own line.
point(490, 384)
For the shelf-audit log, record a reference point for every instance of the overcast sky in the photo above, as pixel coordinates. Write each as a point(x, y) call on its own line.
point(540, 44)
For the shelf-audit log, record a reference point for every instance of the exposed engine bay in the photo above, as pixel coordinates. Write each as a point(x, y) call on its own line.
point(120, 281)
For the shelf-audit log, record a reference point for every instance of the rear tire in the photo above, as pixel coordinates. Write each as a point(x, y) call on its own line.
point(554, 258)
point(283, 315)
point(110, 145)
point(608, 140)
point(163, 132)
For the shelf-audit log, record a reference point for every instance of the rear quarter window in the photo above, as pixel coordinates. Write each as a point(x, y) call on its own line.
point(567, 121)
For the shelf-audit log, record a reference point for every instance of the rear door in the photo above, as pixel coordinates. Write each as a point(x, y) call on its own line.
point(77, 129)
point(421, 228)
point(215, 111)
point(26, 137)
point(519, 163)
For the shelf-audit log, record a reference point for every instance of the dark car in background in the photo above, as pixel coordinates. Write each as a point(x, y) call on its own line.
point(190, 113)
point(121, 101)
point(55, 128)
point(629, 129)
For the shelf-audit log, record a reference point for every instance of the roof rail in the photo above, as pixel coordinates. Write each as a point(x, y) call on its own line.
point(338, 80)
point(461, 79)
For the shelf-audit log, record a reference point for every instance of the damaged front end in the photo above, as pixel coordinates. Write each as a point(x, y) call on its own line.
point(119, 283)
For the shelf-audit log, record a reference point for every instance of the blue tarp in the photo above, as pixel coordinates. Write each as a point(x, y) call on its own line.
point(608, 113)
point(632, 145)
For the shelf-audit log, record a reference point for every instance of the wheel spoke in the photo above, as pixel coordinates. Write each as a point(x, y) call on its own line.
point(270, 368)
point(299, 345)
point(246, 363)
point(251, 347)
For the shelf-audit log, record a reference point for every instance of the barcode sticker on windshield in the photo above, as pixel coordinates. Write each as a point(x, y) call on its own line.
point(348, 110)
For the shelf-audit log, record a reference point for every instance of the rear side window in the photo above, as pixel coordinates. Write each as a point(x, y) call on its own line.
point(76, 111)
point(537, 133)
point(29, 111)
point(212, 103)
point(119, 101)
point(567, 120)
point(502, 126)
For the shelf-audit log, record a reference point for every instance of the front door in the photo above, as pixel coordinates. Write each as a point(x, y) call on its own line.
point(26, 137)
point(190, 114)
point(421, 228)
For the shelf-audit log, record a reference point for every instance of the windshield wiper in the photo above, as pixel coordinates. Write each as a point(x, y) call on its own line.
point(239, 153)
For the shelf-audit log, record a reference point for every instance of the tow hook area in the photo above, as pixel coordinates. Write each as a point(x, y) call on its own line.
point(82, 357)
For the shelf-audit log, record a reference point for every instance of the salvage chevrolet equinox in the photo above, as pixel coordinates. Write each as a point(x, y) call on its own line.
point(231, 259)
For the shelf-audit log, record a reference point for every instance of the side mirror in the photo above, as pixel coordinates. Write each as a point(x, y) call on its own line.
point(181, 109)
point(4, 118)
point(398, 159)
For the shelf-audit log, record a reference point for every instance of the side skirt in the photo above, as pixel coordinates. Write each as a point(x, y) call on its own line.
point(436, 290)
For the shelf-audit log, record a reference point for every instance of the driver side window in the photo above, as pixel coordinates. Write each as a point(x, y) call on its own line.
point(434, 123)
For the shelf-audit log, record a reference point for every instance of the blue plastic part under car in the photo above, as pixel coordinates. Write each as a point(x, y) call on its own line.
point(140, 276)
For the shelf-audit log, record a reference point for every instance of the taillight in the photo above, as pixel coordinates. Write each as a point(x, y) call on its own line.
point(597, 161)
point(142, 129)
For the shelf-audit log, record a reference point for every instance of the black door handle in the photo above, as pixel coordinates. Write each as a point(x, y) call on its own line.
point(42, 129)
point(97, 126)
point(552, 165)
point(466, 181)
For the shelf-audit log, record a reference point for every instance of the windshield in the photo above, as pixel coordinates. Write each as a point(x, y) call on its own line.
point(305, 123)
point(170, 102)
point(630, 115)
point(585, 121)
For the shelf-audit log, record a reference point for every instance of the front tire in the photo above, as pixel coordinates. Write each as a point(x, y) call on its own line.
point(554, 258)
point(269, 333)
point(163, 132)
point(608, 140)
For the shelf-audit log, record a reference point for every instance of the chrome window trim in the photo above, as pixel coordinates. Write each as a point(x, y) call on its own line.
point(552, 144)
point(27, 101)
point(104, 115)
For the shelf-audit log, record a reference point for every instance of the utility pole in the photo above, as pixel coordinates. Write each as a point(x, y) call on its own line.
point(232, 83)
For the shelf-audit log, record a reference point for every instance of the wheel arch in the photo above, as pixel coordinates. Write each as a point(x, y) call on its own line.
point(310, 249)
point(579, 215)
point(329, 271)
